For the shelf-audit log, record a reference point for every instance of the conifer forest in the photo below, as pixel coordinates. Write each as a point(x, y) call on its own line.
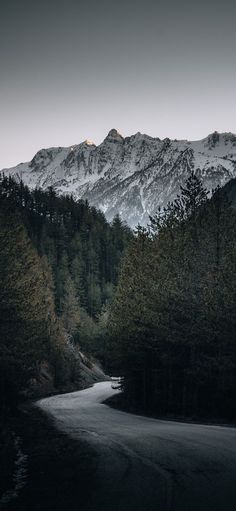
point(118, 255)
point(156, 306)
point(83, 300)
point(59, 263)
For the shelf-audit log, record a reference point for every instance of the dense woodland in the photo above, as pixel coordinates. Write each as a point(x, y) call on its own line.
point(157, 306)
point(173, 318)
point(59, 262)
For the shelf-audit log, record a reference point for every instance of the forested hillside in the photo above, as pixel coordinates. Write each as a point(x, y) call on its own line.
point(173, 319)
point(170, 311)
point(59, 262)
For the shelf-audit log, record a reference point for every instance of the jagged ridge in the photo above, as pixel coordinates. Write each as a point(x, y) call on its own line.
point(131, 176)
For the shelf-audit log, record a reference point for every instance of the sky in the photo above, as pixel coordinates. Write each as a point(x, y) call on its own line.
point(72, 70)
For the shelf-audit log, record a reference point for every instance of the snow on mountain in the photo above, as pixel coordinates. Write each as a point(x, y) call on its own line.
point(131, 176)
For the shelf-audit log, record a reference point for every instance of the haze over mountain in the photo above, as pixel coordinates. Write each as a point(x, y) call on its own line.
point(131, 176)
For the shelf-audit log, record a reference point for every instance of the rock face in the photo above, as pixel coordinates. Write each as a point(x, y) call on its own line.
point(131, 176)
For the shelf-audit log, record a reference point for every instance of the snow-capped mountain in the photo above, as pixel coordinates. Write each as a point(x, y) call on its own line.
point(131, 176)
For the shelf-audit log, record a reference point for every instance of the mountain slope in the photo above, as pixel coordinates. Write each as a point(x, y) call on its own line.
point(131, 176)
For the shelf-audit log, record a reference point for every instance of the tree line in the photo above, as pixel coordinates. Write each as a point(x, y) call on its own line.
point(59, 264)
point(172, 322)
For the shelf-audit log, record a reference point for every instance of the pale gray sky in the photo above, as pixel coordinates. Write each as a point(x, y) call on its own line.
point(73, 70)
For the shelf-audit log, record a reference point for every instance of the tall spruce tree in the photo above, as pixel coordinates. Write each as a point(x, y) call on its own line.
point(180, 290)
point(28, 327)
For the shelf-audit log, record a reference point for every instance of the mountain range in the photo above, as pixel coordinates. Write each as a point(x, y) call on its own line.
point(131, 176)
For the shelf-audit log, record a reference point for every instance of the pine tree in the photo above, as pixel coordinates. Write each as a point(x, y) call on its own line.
point(28, 322)
point(172, 321)
point(70, 311)
point(192, 196)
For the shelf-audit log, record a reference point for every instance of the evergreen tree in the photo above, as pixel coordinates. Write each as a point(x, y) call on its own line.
point(69, 310)
point(72, 249)
point(172, 321)
point(28, 324)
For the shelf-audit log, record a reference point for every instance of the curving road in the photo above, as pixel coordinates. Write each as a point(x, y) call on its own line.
point(146, 464)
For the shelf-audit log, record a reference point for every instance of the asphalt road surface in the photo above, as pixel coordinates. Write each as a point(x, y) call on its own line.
point(146, 464)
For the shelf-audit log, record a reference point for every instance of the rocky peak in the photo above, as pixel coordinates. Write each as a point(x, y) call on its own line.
point(131, 176)
point(213, 139)
point(88, 142)
point(114, 136)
